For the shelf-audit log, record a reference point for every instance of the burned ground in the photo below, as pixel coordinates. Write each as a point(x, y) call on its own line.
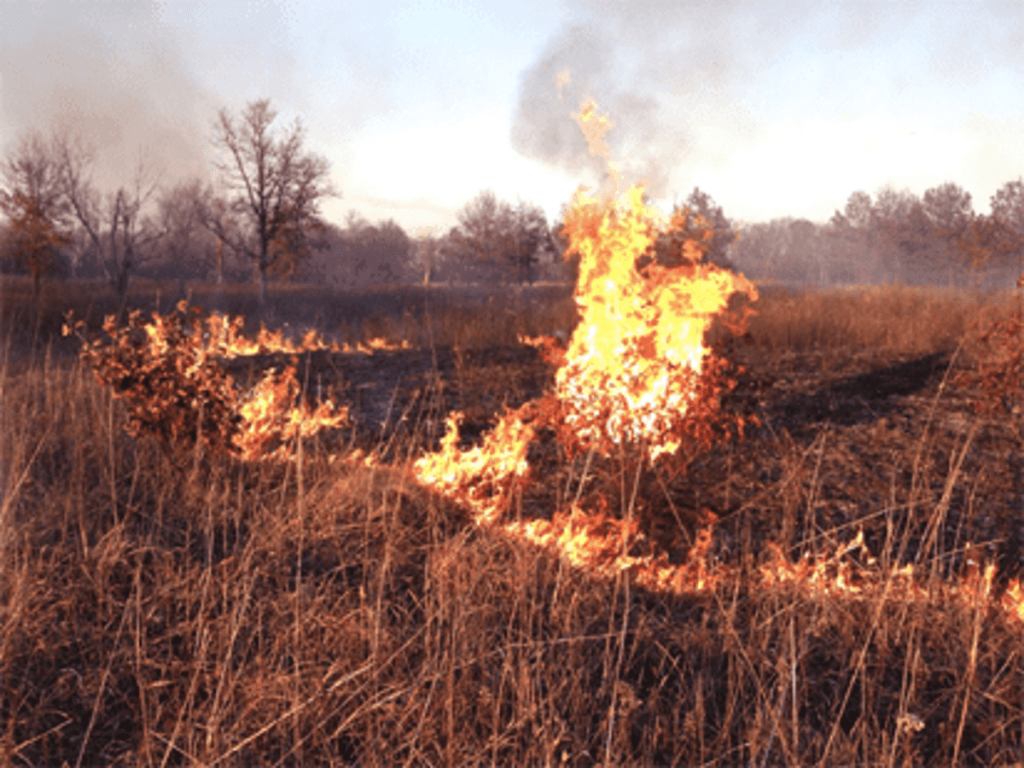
point(844, 441)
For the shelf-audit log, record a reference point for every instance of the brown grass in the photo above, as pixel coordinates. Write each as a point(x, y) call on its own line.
point(224, 613)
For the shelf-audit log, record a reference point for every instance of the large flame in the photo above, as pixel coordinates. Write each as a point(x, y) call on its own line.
point(634, 359)
point(630, 377)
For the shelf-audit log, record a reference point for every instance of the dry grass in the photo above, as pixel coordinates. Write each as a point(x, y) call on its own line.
point(444, 316)
point(223, 613)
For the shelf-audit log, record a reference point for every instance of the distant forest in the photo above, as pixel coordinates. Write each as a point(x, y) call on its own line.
point(896, 236)
point(261, 222)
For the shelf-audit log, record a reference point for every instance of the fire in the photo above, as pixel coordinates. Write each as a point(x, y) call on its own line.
point(481, 478)
point(635, 357)
point(176, 390)
point(223, 335)
point(600, 544)
point(633, 373)
point(629, 378)
point(270, 418)
point(837, 575)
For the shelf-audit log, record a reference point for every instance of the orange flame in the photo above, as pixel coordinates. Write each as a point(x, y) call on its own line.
point(634, 358)
point(269, 417)
point(630, 376)
point(223, 338)
point(483, 477)
point(600, 544)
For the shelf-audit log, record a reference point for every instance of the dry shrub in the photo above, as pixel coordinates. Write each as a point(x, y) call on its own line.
point(176, 389)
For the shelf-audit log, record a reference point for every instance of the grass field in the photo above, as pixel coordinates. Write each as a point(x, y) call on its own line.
point(209, 611)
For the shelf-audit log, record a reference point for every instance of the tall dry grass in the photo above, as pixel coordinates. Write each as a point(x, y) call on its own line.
point(891, 319)
point(215, 612)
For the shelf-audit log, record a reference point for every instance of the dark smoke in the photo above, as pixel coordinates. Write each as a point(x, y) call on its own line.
point(544, 126)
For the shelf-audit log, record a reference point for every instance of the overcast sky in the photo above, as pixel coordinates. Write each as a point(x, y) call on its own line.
point(774, 108)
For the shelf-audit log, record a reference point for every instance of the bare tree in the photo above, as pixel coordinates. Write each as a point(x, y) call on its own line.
point(178, 217)
point(425, 254)
point(531, 236)
point(33, 201)
point(1008, 205)
point(187, 243)
point(114, 223)
point(495, 237)
point(364, 254)
point(271, 208)
point(948, 207)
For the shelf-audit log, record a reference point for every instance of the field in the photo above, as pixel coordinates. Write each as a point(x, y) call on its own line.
point(160, 609)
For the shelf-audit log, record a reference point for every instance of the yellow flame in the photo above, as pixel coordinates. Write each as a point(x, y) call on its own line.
point(223, 339)
point(482, 477)
point(633, 359)
point(629, 375)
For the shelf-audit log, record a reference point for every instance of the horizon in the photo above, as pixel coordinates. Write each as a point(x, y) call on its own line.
point(775, 110)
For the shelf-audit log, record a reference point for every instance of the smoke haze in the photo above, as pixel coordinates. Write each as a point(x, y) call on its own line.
point(774, 108)
point(135, 100)
point(643, 63)
point(684, 83)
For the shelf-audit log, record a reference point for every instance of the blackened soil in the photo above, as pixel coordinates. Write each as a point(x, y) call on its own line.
point(393, 392)
point(845, 442)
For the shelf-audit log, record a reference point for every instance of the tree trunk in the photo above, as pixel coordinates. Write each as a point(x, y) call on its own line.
point(121, 287)
point(122, 296)
point(261, 284)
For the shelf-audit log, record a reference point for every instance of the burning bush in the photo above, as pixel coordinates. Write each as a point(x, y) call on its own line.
point(170, 376)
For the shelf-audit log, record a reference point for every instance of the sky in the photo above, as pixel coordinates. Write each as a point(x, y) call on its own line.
point(773, 108)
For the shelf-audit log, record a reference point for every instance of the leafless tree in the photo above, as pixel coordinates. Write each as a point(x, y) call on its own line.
point(31, 197)
point(114, 223)
point(181, 214)
point(1008, 205)
point(425, 254)
point(493, 235)
point(948, 207)
point(270, 210)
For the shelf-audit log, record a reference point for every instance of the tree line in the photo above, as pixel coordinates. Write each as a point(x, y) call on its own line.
point(259, 221)
point(896, 235)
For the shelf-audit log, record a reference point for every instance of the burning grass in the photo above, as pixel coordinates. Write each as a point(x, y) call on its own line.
point(679, 542)
point(219, 611)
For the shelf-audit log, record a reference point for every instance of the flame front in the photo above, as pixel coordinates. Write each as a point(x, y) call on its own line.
point(223, 338)
point(635, 357)
point(629, 377)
